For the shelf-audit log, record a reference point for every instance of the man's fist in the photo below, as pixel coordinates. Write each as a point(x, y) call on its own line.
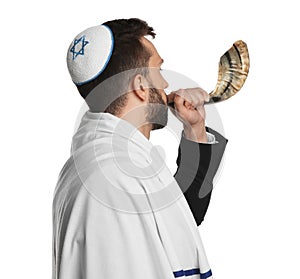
point(189, 109)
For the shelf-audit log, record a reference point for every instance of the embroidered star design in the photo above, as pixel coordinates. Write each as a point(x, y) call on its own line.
point(76, 45)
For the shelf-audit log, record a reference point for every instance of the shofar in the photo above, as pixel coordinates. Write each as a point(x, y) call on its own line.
point(233, 71)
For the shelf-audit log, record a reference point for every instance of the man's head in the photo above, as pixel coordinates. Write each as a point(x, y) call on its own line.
point(133, 54)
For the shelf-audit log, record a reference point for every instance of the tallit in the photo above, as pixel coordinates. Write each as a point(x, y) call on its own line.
point(118, 212)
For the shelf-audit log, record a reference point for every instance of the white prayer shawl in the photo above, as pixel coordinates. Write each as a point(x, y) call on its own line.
point(118, 212)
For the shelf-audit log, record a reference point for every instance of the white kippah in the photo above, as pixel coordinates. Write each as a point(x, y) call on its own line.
point(89, 53)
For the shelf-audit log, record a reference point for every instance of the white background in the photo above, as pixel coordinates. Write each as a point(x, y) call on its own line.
point(252, 228)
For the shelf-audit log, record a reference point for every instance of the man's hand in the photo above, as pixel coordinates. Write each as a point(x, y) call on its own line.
point(189, 109)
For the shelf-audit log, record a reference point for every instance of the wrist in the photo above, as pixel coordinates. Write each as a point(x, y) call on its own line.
point(197, 134)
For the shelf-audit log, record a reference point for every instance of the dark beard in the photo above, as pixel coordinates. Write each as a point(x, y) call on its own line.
point(156, 110)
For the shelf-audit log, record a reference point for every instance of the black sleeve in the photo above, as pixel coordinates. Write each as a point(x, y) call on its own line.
point(197, 165)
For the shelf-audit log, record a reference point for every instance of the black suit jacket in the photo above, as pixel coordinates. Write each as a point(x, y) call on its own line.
point(197, 165)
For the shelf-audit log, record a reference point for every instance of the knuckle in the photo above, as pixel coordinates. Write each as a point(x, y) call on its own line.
point(177, 98)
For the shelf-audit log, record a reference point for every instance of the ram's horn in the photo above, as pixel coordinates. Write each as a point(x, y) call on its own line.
point(233, 71)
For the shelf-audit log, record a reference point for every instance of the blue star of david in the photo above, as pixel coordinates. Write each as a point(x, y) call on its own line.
point(81, 50)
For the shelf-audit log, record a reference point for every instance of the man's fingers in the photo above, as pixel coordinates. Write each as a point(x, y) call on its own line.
point(206, 96)
point(179, 102)
point(178, 98)
point(199, 96)
point(201, 110)
point(193, 96)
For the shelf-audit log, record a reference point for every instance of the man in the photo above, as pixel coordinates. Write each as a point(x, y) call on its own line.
point(117, 210)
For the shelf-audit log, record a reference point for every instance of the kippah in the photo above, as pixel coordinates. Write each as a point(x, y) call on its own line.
point(89, 53)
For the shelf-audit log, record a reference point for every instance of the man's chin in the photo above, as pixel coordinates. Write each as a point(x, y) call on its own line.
point(161, 122)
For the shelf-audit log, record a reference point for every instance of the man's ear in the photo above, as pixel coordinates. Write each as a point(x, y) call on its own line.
point(140, 87)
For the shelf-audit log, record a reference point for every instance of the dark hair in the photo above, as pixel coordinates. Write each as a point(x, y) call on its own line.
point(128, 53)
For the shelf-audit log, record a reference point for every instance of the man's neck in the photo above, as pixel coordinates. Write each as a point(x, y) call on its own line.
point(145, 130)
point(136, 122)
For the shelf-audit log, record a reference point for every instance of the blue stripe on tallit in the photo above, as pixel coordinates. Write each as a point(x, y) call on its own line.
point(206, 274)
point(190, 272)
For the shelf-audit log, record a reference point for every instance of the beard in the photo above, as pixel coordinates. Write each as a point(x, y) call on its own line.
point(156, 110)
